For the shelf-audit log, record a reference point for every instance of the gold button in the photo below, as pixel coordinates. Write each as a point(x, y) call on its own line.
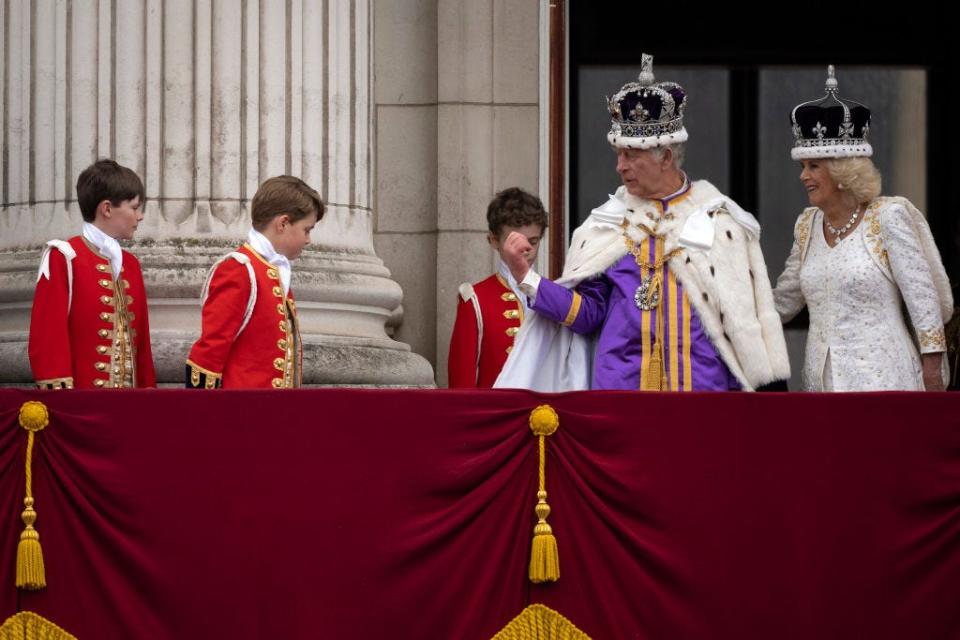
point(106, 317)
point(102, 268)
point(103, 333)
point(272, 273)
point(106, 284)
point(283, 326)
point(512, 314)
point(512, 331)
point(278, 363)
point(282, 345)
point(281, 310)
point(510, 348)
point(277, 383)
point(277, 291)
point(106, 300)
point(116, 370)
point(101, 366)
point(508, 297)
point(99, 383)
point(129, 299)
point(102, 350)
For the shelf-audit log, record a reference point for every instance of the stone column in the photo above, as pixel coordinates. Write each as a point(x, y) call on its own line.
point(204, 99)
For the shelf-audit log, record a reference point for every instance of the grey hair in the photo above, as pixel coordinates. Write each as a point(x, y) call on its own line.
point(678, 151)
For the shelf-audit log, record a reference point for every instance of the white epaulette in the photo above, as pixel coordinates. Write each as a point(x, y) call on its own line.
point(44, 272)
point(245, 261)
point(469, 295)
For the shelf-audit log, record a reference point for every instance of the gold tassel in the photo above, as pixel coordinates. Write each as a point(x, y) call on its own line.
point(30, 571)
point(655, 372)
point(656, 285)
point(544, 556)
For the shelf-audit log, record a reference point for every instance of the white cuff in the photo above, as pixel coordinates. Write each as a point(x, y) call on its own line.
point(530, 284)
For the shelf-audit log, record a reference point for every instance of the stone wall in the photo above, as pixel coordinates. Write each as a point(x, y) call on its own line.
point(458, 118)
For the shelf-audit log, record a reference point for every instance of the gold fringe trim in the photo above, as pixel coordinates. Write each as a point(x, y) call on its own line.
point(544, 556)
point(55, 383)
point(27, 625)
point(538, 622)
point(211, 379)
point(30, 571)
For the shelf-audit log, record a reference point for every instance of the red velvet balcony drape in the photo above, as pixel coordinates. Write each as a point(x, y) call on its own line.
point(409, 514)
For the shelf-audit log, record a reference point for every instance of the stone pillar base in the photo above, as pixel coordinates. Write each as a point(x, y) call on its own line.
point(345, 300)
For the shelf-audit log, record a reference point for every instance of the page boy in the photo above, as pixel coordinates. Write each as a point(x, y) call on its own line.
point(250, 334)
point(89, 327)
point(490, 312)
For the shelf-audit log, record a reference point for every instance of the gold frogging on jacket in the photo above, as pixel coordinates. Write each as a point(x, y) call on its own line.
point(287, 364)
point(121, 370)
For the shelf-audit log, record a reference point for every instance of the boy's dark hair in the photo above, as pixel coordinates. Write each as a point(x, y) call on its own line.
point(284, 195)
point(106, 180)
point(514, 207)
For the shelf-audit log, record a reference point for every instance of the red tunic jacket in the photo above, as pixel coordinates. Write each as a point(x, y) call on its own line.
point(265, 352)
point(90, 333)
point(479, 347)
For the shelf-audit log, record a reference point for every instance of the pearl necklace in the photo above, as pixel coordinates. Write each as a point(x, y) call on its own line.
point(842, 230)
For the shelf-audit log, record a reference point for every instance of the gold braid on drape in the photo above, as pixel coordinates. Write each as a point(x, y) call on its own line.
point(538, 622)
point(27, 625)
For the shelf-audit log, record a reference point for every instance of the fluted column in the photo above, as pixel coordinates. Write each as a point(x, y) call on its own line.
point(205, 99)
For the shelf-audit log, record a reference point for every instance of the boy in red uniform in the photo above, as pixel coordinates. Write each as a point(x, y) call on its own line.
point(250, 337)
point(490, 312)
point(89, 327)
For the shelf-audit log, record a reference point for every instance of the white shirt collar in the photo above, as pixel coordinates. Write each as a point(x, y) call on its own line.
point(106, 245)
point(264, 247)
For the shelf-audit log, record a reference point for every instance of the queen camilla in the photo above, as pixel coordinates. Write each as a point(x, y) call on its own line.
point(865, 265)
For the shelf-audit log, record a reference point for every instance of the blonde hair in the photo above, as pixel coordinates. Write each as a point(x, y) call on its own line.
point(857, 176)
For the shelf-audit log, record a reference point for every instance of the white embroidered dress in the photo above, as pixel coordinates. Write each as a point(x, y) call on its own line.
point(859, 339)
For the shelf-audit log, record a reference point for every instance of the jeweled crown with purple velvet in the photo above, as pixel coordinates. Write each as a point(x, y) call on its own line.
point(830, 127)
point(647, 115)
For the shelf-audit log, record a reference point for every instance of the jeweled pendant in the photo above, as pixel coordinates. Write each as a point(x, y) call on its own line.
point(646, 296)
